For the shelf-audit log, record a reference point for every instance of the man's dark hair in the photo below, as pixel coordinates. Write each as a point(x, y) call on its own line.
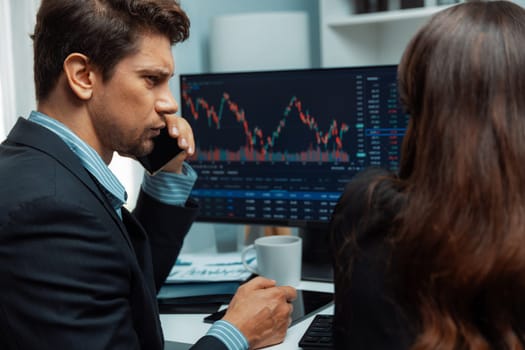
point(105, 31)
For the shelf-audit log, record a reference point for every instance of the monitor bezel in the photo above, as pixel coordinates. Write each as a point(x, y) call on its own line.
point(313, 225)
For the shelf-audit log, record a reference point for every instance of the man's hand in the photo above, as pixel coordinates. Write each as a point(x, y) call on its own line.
point(261, 311)
point(180, 129)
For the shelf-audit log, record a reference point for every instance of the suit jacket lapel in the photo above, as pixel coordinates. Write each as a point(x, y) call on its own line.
point(33, 135)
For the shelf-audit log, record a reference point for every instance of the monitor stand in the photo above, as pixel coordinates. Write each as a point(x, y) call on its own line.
point(317, 263)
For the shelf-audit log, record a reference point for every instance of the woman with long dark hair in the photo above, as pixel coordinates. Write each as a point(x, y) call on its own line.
point(433, 257)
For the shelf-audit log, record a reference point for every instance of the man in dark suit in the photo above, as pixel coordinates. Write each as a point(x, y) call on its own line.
point(77, 269)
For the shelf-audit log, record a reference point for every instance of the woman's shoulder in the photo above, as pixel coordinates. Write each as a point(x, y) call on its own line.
point(369, 200)
point(369, 184)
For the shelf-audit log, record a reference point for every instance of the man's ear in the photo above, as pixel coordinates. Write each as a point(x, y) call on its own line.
point(80, 75)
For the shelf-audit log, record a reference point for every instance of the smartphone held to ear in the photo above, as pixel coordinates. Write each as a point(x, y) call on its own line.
point(165, 148)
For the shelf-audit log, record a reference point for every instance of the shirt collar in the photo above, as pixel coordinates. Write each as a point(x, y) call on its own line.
point(89, 158)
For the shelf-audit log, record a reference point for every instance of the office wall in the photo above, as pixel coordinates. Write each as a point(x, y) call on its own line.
point(17, 52)
point(193, 55)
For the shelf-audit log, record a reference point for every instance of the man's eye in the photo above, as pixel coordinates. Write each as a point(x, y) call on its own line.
point(151, 79)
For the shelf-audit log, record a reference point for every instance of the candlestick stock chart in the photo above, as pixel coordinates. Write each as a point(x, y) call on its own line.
point(280, 145)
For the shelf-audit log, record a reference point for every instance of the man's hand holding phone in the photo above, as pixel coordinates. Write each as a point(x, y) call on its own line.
point(174, 144)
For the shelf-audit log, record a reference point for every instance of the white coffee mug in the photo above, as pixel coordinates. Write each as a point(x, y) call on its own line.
point(278, 258)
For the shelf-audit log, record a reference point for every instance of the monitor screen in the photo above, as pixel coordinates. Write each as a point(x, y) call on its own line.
point(278, 147)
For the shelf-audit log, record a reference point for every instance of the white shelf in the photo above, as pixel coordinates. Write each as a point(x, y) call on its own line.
point(349, 39)
point(384, 16)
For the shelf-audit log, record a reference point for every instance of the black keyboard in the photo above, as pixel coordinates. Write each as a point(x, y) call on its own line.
point(319, 334)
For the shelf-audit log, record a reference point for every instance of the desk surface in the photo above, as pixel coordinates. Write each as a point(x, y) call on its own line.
point(188, 328)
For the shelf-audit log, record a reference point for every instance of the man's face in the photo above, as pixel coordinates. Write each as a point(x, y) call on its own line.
point(127, 111)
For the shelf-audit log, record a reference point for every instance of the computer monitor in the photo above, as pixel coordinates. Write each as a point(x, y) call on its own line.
point(278, 147)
